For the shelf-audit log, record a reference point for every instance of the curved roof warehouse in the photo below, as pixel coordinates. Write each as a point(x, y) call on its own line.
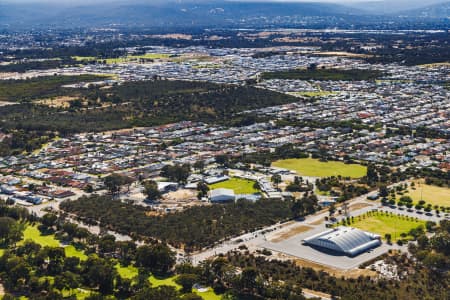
point(346, 240)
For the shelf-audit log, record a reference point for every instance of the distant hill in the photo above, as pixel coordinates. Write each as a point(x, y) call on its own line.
point(206, 13)
point(441, 10)
point(163, 14)
point(389, 7)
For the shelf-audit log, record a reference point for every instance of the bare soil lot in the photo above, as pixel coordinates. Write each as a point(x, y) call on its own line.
point(288, 234)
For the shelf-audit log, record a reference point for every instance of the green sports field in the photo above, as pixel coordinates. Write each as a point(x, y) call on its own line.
point(240, 186)
point(315, 168)
point(385, 223)
point(431, 194)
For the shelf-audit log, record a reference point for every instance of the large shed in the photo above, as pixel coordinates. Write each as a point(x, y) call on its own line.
point(344, 240)
point(222, 195)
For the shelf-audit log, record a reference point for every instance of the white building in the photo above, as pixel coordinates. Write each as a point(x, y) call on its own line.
point(222, 195)
point(345, 240)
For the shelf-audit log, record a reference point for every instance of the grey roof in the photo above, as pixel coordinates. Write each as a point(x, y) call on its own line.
point(346, 240)
point(222, 192)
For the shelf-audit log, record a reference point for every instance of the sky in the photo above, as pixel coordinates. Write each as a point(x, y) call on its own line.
point(406, 2)
point(150, 1)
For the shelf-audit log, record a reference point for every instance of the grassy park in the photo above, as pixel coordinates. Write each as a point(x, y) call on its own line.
point(33, 233)
point(124, 59)
point(130, 272)
point(382, 223)
point(239, 185)
point(431, 194)
point(315, 168)
point(312, 94)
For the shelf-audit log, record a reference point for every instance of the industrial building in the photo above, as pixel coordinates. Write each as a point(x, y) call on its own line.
point(222, 195)
point(344, 240)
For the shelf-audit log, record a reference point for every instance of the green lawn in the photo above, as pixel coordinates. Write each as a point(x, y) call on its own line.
point(208, 295)
point(123, 59)
point(315, 168)
point(431, 194)
point(71, 251)
point(312, 94)
point(382, 223)
point(130, 272)
point(152, 56)
point(80, 294)
point(240, 186)
point(322, 193)
point(170, 281)
point(33, 233)
point(81, 58)
point(127, 272)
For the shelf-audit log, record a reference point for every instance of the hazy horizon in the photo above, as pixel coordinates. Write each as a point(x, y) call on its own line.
point(205, 1)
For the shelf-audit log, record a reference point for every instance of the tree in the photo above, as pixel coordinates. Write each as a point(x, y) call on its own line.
point(70, 229)
point(312, 67)
point(10, 231)
point(187, 281)
point(383, 191)
point(127, 250)
point(76, 104)
point(388, 238)
point(178, 173)
point(203, 189)
point(157, 258)
point(67, 280)
point(89, 189)
point(18, 270)
point(372, 174)
point(436, 261)
point(297, 209)
point(81, 233)
point(430, 226)
point(441, 242)
point(114, 182)
point(222, 159)
point(332, 209)
point(191, 296)
point(101, 273)
point(49, 220)
point(107, 244)
point(71, 264)
point(151, 190)
point(406, 199)
point(124, 286)
point(199, 165)
point(248, 279)
point(163, 292)
point(276, 178)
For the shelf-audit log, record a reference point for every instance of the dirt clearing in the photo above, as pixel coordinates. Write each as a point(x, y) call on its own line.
point(292, 232)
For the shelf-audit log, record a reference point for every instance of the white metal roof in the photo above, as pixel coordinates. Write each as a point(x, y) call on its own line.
point(345, 239)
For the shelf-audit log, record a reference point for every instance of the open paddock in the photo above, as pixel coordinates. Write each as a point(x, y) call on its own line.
point(431, 194)
point(315, 168)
